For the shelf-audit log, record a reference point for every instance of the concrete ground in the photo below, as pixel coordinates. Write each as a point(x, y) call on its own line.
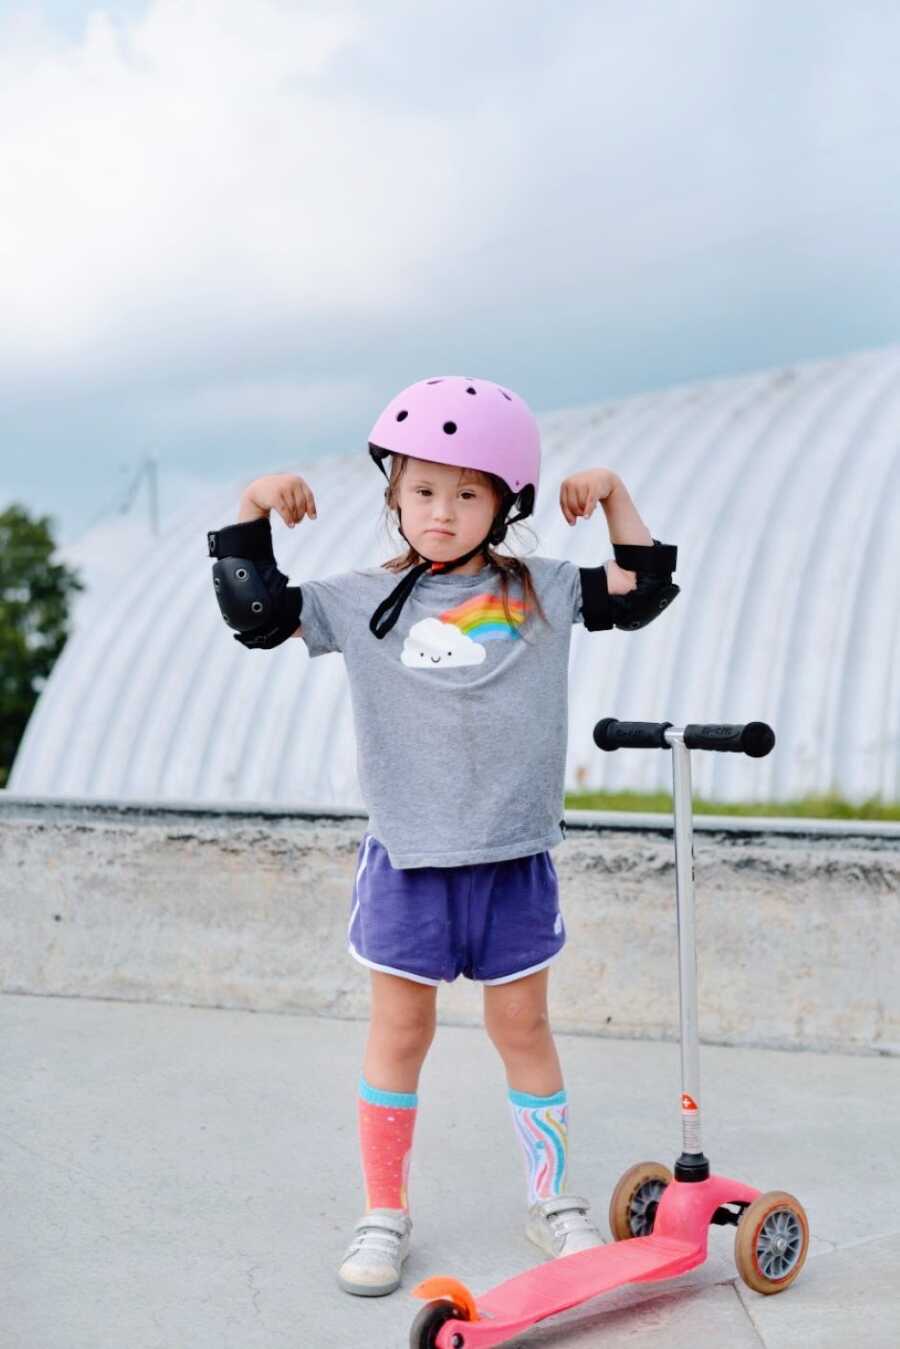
point(184, 1178)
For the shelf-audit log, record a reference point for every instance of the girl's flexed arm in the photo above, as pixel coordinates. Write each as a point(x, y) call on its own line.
point(579, 495)
point(253, 595)
point(630, 591)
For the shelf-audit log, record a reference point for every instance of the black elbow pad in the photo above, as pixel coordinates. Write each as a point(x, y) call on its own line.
point(641, 605)
point(654, 591)
point(253, 595)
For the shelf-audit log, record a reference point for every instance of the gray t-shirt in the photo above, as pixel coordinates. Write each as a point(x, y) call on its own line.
point(461, 716)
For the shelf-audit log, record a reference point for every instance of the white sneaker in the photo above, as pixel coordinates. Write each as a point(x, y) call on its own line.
point(372, 1264)
point(560, 1225)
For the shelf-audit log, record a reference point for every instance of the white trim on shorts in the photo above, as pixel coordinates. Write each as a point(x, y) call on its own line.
point(388, 969)
point(385, 969)
point(368, 839)
point(435, 983)
point(520, 974)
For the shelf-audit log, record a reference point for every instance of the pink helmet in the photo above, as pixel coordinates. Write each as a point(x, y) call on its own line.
point(467, 423)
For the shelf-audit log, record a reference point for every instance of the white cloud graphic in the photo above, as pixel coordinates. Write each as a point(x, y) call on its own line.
point(432, 643)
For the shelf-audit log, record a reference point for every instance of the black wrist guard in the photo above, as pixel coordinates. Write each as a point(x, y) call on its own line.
point(253, 595)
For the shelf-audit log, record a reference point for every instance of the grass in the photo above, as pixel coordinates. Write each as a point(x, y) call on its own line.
point(814, 807)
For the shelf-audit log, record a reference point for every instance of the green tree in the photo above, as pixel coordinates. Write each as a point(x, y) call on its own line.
point(35, 595)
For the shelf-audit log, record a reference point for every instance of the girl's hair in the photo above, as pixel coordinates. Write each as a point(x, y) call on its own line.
point(508, 567)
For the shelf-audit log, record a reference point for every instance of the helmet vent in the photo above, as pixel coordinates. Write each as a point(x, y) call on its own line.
point(434, 381)
point(450, 428)
point(506, 396)
point(401, 416)
point(471, 390)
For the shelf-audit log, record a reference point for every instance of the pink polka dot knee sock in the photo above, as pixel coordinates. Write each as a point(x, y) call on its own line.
point(386, 1123)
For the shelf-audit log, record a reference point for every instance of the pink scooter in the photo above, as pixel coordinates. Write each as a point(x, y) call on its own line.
point(659, 1223)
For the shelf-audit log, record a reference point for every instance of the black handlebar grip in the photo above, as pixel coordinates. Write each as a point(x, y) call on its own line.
point(613, 734)
point(754, 738)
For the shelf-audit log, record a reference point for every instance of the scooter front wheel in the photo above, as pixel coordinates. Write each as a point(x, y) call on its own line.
point(771, 1242)
point(635, 1200)
point(423, 1332)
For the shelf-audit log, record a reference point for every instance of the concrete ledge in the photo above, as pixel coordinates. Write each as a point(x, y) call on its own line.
point(14, 805)
point(246, 906)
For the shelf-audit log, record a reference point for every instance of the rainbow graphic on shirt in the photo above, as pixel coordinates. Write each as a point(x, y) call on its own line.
point(483, 619)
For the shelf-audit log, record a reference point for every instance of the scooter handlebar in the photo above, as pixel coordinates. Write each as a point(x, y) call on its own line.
point(754, 738)
point(612, 734)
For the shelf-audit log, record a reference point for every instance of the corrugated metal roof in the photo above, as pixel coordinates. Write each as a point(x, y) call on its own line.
point(780, 489)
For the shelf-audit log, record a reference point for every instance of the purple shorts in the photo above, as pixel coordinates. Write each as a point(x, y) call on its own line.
point(490, 921)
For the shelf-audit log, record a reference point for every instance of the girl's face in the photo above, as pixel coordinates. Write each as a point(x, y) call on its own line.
point(446, 511)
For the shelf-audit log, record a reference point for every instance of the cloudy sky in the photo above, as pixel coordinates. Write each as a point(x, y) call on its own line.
point(229, 232)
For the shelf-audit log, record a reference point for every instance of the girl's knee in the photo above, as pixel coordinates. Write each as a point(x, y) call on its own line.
point(403, 1038)
point(517, 1027)
point(515, 1014)
point(404, 1016)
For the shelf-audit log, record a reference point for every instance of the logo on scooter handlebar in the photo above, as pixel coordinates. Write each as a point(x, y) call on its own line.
point(687, 1102)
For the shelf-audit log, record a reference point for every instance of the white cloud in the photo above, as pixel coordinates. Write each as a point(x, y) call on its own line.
point(192, 178)
point(431, 644)
point(263, 402)
point(208, 183)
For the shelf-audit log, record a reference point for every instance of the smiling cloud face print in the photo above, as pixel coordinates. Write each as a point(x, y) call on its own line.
point(435, 643)
point(432, 643)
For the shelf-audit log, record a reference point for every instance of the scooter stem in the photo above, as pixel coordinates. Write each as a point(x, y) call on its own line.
point(692, 1165)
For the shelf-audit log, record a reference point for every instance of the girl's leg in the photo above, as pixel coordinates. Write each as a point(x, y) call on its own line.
point(516, 1019)
point(402, 1025)
point(402, 1028)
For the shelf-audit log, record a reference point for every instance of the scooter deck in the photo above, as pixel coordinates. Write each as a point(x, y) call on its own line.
point(565, 1282)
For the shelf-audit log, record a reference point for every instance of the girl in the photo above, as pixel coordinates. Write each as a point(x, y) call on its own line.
point(458, 678)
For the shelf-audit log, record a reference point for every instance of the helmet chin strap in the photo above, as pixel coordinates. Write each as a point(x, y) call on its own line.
point(387, 613)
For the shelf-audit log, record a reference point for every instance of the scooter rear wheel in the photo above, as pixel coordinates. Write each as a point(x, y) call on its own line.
point(635, 1199)
point(423, 1332)
point(771, 1242)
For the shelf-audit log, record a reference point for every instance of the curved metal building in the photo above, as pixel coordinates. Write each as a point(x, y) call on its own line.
point(782, 492)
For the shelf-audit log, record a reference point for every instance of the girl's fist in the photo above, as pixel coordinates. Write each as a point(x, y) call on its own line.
point(580, 492)
point(286, 493)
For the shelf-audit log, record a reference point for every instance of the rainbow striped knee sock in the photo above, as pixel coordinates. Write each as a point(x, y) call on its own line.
point(542, 1128)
